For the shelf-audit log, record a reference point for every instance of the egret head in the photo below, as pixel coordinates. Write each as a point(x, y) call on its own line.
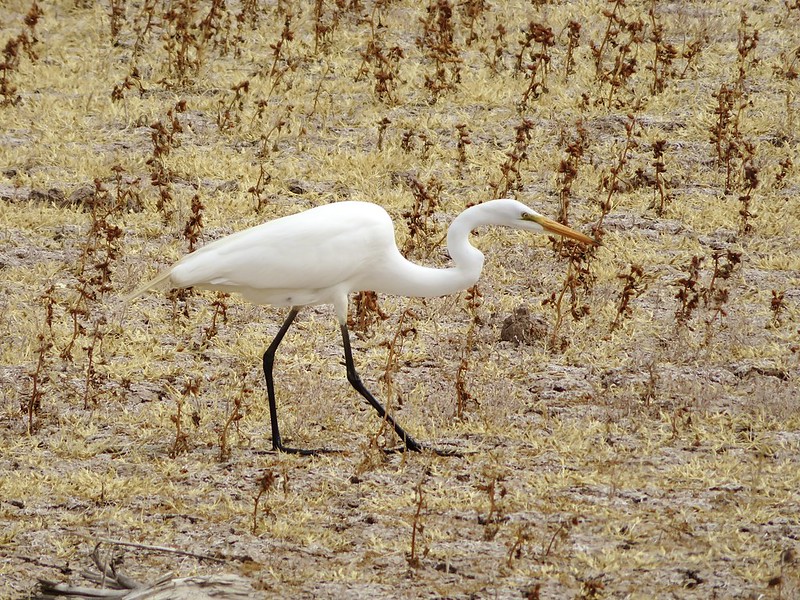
point(517, 215)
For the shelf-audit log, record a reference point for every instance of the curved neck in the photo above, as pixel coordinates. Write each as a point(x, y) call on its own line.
point(406, 278)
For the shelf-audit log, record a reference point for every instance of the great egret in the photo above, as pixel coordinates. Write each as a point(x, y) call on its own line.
point(322, 255)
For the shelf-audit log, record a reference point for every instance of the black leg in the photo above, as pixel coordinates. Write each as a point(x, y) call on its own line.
point(355, 381)
point(269, 360)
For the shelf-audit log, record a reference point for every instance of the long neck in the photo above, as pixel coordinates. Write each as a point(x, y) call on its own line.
point(409, 279)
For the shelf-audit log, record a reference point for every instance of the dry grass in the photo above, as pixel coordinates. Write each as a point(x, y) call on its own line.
point(646, 449)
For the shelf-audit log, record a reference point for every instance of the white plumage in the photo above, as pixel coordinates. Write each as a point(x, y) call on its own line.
point(322, 255)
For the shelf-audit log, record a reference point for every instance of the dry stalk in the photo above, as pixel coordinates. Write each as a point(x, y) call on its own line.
point(633, 287)
point(180, 444)
point(12, 55)
point(40, 375)
point(438, 43)
point(495, 491)
point(220, 312)
point(165, 138)
point(573, 40)
point(659, 185)
point(777, 305)
point(394, 347)
point(229, 112)
point(463, 397)
point(366, 313)
point(93, 281)
point(257, 191)
point(664, 53)
point(265, 484)
point(539, 65)
point(232, 420)
point(461, 144)
point(382, 125)
point(423, 233)
point(385, 64)
point(417, 526)
point(510, 177)
point(568, 169)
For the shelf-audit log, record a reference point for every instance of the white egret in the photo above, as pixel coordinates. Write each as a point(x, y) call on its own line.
point(322, 255)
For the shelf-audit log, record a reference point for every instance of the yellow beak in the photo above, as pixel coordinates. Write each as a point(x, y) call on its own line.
point(555, 227)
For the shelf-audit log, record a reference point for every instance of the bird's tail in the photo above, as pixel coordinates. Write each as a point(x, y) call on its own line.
point(160, 282)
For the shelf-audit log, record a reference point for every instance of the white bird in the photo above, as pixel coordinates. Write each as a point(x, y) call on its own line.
point(322, 255)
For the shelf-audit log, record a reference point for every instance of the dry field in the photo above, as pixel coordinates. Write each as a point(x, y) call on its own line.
point(628, 417)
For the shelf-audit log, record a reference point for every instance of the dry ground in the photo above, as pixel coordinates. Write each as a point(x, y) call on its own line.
point(659, 459)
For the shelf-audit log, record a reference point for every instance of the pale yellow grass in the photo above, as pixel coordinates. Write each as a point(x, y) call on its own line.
point(650, 461)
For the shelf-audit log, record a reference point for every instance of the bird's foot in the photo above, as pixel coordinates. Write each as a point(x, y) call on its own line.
point(416, 447)
point(303, 451)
